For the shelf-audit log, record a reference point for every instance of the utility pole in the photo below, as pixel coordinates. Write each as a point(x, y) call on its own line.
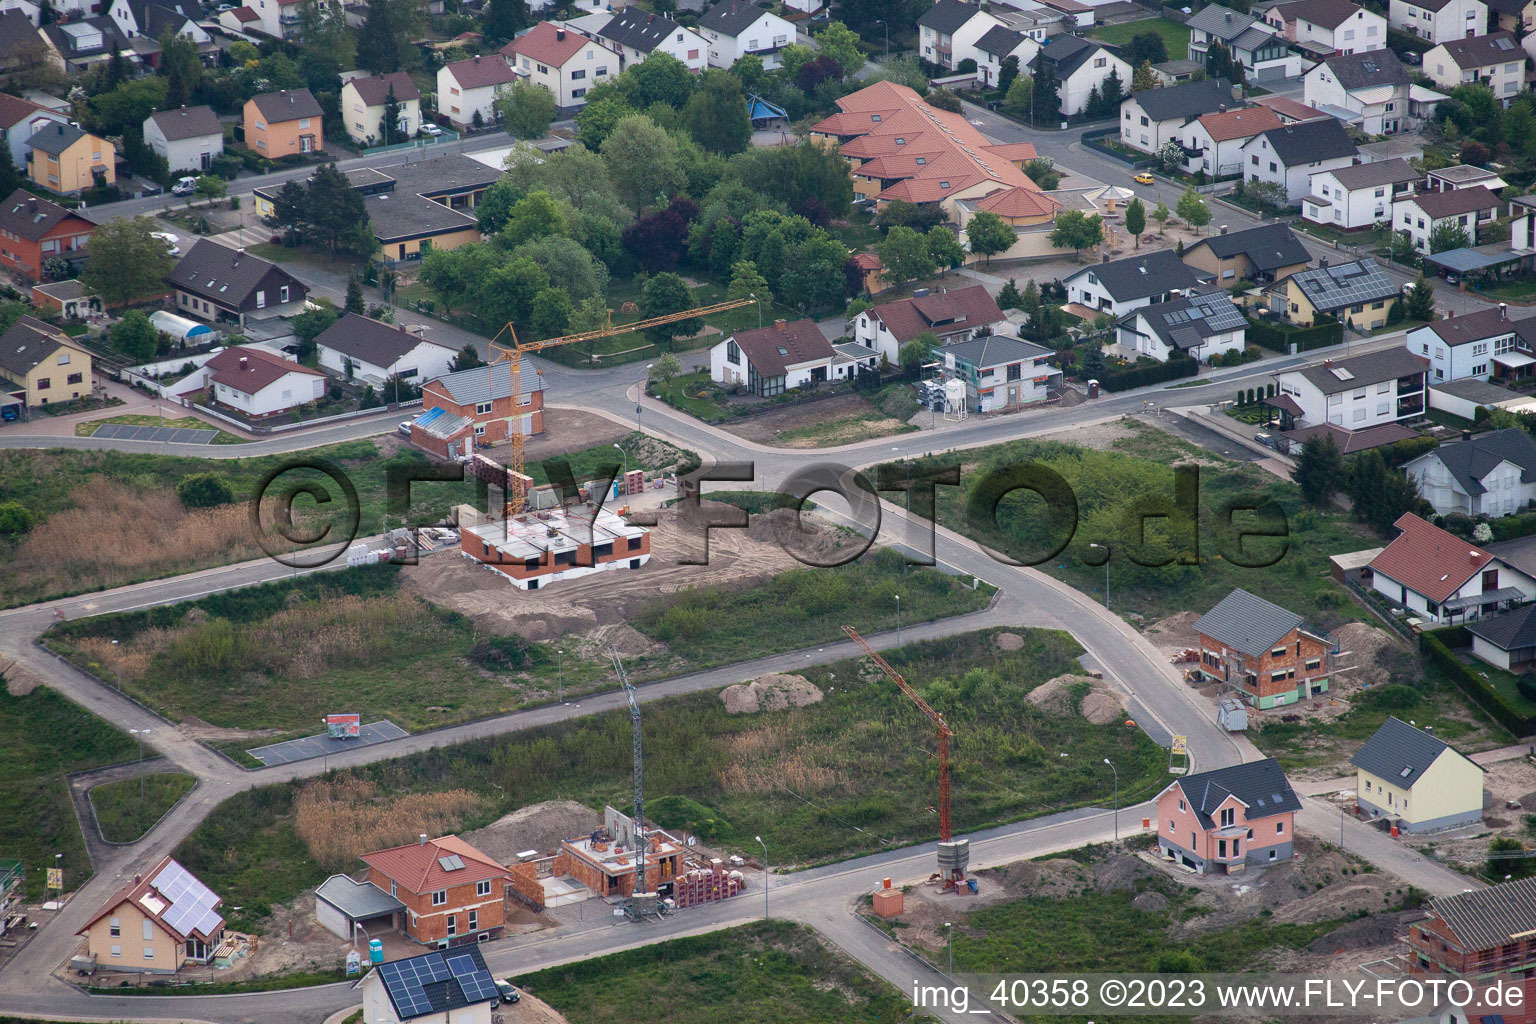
point(1104, 548)
point(765, 874)
point(1117, 796)
point(898, 620)
point(560, 678)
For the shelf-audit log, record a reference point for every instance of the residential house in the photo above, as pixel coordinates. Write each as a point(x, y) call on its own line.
point(1479, 935)
point(467, 89)
point(1264, 653)
point(954, 315)
point(365, 103)
point(279, 18)
point(1470, 209)
point(1496, 61)
point(1358, 294)
point(1291, 154)
point(68, 298)
point(1443, 579)
point(1081, 66)
point(788, 354)
point(69, 160)
point(1265, 254)
point(1073, 13)
point(1153, 117)
point(1439, 21)
point(19, 118)
point(1516, 17)
point(216, 284)
point(1465, 397)
point(1483, 344)
point(1326, 27)
point(453, 893)
point(360, 348)
point(478, 405)
point(899, 147)
point(34, 230)
point(1000, 372)
point(1119, 287)
point(1368, 90)
point(1221, 821)
point(40, 365)
point(156, 923)
point(155, 19)
point(998, 44)
point(281, 123)
point(188, 138)
point(75, 46)
point(938, 27)
point(1507, 641)
point(635, 33)
point(566, 63)
point(1491, 475)
point(1448, 179)
point(347, 909)
point(1522, 230)
point(1359, 196)
point(735, 28)
point(1263, 53)
point(1213, 143)
point(1199, 325)
point(240, 20)
point(561, 543)
point(1176, 72)
point(1416, 780)
point(1348, 442)
point(1362, 391)
point(434, 988)
point(20, 44)
point(255, 381)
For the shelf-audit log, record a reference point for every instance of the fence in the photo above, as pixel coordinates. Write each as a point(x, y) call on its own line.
point(1091, 140)
point(430, 140)
point(1479, 690)
point(280, 428)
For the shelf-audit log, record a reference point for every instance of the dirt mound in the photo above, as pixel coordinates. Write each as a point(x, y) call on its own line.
point(19, 680)
point(813, 540)
point(1174, 633)
point(622, 637)
point(1373, 653)
point(1056, 877)
point(1366, 933)
point(1118, 873)
point(1099, 705)
point(1102, 707)
point(1008, 641)
point(535, 827)
point(1154, 902)
point(772, 692)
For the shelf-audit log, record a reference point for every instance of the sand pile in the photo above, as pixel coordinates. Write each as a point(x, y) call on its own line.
point(1008, 641)
point(1372, 651)
point(535, 827)
point(772, 692)
point(1099, 705)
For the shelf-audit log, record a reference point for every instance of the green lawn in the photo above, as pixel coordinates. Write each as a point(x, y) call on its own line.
point(695, 395)
point(1512, 291)
point(852, 774)
point(337, 263)
point(46, 738)
point(772, 972)
point(140, 420)
point(128, 809)
point(1175, 36)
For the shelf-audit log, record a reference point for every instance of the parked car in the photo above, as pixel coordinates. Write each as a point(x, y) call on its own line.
point(172, 242)
point(1144, 178)
point(1267, 440)
point(184, 186)
point(9, 413)
point(1413, 57)
point(509, 992)
point(432, 130)
point(405, 427)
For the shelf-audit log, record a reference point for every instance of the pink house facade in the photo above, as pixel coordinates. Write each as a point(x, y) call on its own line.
point(1222, 821)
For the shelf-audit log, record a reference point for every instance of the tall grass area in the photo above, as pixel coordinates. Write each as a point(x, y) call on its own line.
point(46, 737)
point(1136, 474)
point(850, 775)
point(771, 972)
point(126, 810)
point(268, 656)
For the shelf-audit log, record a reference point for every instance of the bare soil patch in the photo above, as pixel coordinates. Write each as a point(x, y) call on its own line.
point(1374, 656)
point(1175, 634)
point(766, 426)
point(536, 827)
point(1099, 436)
point(1008, 641)
point(1099, 705)
point(197, 729)
point(772, 692)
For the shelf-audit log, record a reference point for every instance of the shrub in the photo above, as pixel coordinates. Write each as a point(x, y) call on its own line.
point(1140, 375)
point(681, 812)
point(1479, 690)
point(504, 654)
point(15, 519)
point(204, 490)
point(1280, 339)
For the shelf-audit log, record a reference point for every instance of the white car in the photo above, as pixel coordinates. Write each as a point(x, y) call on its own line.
point(172, 242)
point(431, 129)
point(184, 186)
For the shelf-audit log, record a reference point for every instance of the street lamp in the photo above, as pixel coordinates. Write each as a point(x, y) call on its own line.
point(139, 734)
point(1117, 796)
point(560, 678)
point(1104, 548)
point(765, 874)
point(626, 457)
point(949, 931)
point(898, 620)
point(879, 21)
point(754, 298)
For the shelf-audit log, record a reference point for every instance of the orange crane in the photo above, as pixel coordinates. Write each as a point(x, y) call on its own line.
point(513, 353)
point(954, 854)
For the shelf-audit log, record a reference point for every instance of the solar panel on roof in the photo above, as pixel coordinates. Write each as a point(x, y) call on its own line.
point(476, 983)
point(1342, 374)
point(1505, 44)
point(452, 862)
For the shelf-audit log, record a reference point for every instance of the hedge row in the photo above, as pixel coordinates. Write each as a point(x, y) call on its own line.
point(1510, 527)
point(1139, 375)
point(1477, 689)
point(1278, 339)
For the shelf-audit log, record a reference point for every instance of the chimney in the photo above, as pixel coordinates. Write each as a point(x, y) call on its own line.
point(1466, 435)
point(779, 324)
point(650, 20)
point(477, 60)
point(1221, 108)
point(1327, 364)
point(1229, 18)
point(1322, 264)
point(1105, 258)
point(1503, 311)
point(1472, 557)
point(1223, 229)
point(243, 361)
point(560, 34)
point(422, 839)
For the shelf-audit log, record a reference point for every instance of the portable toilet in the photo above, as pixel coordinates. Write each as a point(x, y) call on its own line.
point(375, 951)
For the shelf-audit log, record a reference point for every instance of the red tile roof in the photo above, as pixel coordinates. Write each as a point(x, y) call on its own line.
point(416, 867)
point(1240, 124)
point(549, 44)
point(248, 369)
point(477, 72)
point(867, 261)
point(774, 348)
point(907, 318)
point(141, 886)
point(1429, 561)
point(1018, 202)
point(1020, 151)
point(14, 109)
point(1289, 109)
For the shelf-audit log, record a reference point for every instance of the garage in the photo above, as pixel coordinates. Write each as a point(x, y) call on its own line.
point(345, 908)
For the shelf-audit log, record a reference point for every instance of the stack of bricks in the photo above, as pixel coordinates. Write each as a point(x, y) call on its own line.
point(696, 886)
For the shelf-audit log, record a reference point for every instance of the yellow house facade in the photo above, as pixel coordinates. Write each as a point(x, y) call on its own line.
point(1416, 780)
point(66, 159)
point(39, 365)
point(128, 939)
point(1358, 294)
point(156, 923)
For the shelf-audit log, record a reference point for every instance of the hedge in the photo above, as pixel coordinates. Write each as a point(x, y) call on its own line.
point(1510, 527)
point(1139, 375)
point(1477, 689)
point(1280, 339)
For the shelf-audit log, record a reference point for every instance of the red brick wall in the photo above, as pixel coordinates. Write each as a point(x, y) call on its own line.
point(478, 549)
point(431, 923)
point(1269, 663)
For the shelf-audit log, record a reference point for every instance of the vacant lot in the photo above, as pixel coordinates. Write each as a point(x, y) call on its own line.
point(850, 774)
point(772, 972)
point(47, 737)
point(1175, 36)
point(126, 810)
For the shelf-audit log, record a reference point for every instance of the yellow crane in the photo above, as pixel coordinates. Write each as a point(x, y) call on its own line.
point(513, 353)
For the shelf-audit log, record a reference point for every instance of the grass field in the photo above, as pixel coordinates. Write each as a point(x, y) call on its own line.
point(262, 657)
point(1175, 36)
point(772, 972)
point(89, 429)
point(46, 738)
point(852, 774)
point(126, 810)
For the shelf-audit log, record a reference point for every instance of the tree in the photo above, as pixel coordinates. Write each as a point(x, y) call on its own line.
point(841, 43)
point(987, 234)
point(181, 67)
point(127, 261)
point(747, 282)
point(716, 113)
point(15, 519)
point(1009, 297)
point(134, 336)
point(1400, 249)
point(526, 109)
point(1193, 210)
point(551, 313)
point(660, 78)
point(596, 121)
point(384, 41)
point(1420, 300)
point(1219, 63)
point(918, 350)
point(943, 99)
point(945, 248)
point(643, 163)
point(467, 358)
point(211, 186)
point(503, 19)
point(1448, 235)
point(1319, 470)
point(1170, 157)
point(1092, 366)
point(1076, 231)
point(905, 256)
point(316, 319)
point(1145, 79)
point(663, 294)
point(1007, 74)
point(1019, 98)
point(1146, 48)
point(354, 301)
point(666, 368)
point(1135, 220)
point(204, 490)
point(536, 215)
point(289, 208)
point(1042, 171)
point(1160, 214)
point(568, 264)
point(334, 212)
point(1110, 95)
point(389, 124)
point(1269, 194)
point(1046, 108)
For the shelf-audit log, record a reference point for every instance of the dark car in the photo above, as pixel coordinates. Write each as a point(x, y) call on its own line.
point(509, 992)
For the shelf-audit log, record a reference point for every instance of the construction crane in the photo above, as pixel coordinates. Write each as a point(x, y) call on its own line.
point(518, 480)
point(641, 903)
point(954, 854)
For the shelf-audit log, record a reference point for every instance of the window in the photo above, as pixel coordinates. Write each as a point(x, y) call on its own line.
point(117, 950)
point(1228, 817)
point(577, 76)
point(733, 353)
point(149, 952)
point(543, 70)
point(474, 920)
point(392, 891)
point(577, 94)
point(1279, 828)
point(63, 358)
point(479, 429)
point(453, 924)
point(1181, 805)
point(261, 299)
point(482, 408)
point(44, 383)
point(115, 927)
point(440, 897)
point(1278, 652)
point(303, 122)
point(282, 294)
point(483, 888)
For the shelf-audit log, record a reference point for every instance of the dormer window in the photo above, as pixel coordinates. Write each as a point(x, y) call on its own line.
point(922, 160)
point(875, 118)
point(943, 184)
point(900, 141)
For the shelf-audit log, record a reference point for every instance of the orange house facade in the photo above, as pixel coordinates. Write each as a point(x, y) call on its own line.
point(279, 124)
point(1222, 821)
point(33, 230)
point(453, 893)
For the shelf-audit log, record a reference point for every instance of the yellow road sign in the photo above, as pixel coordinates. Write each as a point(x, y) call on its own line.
point(1181, 744)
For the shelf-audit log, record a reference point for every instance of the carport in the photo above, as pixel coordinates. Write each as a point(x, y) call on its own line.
point(346, 907)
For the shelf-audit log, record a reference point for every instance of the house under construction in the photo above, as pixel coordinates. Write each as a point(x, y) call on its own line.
point(536, 548)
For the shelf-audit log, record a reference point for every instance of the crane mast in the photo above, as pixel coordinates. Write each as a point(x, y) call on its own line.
point(640, 901)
